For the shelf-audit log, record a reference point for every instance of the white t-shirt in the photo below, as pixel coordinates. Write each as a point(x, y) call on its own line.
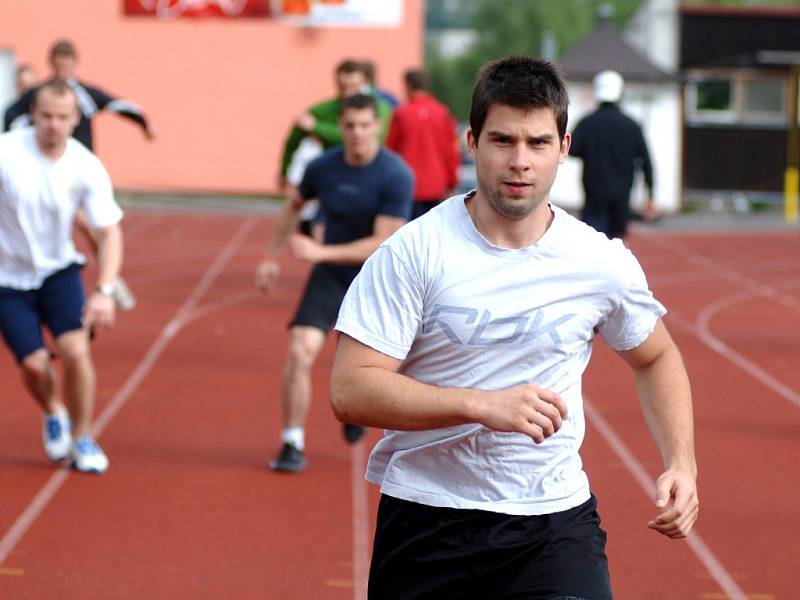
point(460, 312)
point(38, 201)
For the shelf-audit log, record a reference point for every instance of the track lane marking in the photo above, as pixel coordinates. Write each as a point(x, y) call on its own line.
point(640, 475)
point(51, 487)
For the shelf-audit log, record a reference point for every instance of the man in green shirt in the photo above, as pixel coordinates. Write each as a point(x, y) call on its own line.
point(322, 119)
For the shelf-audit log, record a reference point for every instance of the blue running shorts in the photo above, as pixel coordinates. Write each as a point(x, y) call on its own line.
point(58, 304)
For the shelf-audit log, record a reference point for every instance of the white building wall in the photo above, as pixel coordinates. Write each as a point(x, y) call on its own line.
point(653, 31)
point(656, 107)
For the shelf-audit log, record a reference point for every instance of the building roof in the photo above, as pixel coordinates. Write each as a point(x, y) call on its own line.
point(605, 49)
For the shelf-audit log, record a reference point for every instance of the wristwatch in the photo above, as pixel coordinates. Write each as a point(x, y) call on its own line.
point(105, 290)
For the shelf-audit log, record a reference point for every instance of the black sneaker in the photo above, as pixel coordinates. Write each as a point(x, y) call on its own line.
point(290, 460)
point(353, 433)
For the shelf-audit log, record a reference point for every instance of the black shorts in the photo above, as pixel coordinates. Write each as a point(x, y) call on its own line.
point(424, 552)
point(323, 295)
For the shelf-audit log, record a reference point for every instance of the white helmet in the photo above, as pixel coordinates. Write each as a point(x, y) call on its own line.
point(608, 86)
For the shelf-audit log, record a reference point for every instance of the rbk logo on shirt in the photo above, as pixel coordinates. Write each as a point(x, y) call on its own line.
point(473, 327)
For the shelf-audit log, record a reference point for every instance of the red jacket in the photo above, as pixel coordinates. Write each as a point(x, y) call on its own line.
point(423, 132)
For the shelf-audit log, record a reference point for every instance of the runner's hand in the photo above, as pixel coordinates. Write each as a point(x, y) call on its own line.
point(529, 409)
point(677, 501)
point(99, 311)
point(306, 248)
point(306, 121)
point(267, 274)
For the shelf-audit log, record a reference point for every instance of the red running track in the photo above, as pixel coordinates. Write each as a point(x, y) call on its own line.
point(189, 415)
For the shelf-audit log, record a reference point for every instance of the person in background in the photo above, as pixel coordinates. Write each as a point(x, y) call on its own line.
point(25, 79)
point(63, 59)
point(317, 129)
point(46, 176)
point(612, 146)
point(423, 132)
point(372, 77)
point(365, 193)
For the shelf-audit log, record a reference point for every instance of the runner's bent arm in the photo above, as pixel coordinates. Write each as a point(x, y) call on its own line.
point(351, 253)
point(367, 389)
point(666, 400)
point(268, 269)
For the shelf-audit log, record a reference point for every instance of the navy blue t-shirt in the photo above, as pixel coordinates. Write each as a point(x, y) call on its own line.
point(351, 197)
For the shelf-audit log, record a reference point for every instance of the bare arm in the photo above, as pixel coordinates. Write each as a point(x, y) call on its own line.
point(351, 253)
point(99, 308)
point(666, 400)
point(367, 389)
point(268, 269)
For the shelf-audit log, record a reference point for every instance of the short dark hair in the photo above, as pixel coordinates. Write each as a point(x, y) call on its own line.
point(359, 101)
point(56, 86)
point(63, 48)
point(351, 66)
point(416, 79)
point(520, 82)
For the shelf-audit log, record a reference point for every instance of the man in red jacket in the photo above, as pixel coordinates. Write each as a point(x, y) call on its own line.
point(423, 132)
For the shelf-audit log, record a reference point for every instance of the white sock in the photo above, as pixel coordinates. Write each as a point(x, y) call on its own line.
point(296, 436)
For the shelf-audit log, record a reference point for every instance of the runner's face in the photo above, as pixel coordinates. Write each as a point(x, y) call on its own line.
point(63, 67)
point(350, 84)
point(54, 117)
point(516, 158)
point(360, 130)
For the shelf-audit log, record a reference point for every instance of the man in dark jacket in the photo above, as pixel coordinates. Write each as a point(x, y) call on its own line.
point(63, 60)
point(611, 146)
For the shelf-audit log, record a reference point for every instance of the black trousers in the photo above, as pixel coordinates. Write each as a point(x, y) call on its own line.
point(609, 216)
point(423, 552)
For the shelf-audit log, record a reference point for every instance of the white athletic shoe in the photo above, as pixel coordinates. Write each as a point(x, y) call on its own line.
point(56, 435)
point(123, 296)
point(87, 457)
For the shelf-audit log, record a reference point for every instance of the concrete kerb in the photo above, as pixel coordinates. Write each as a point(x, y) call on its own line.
point(203, 203)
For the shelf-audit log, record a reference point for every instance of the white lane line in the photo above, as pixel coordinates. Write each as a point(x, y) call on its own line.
point(702, 331)
point(635, 468)
point(701, 328)
point(35, 507)
point(727, 273)
point(359, 493)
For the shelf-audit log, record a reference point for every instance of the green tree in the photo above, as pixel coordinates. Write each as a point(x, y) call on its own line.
point(514, 27)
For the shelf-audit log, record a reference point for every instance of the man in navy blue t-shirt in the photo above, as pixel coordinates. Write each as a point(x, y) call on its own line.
point(365, 193)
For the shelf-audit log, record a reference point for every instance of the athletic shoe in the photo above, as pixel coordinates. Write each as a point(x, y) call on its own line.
point(290, 460)
point(123, 296)
point(353, 433)
point(87, 457)
point(56, 435)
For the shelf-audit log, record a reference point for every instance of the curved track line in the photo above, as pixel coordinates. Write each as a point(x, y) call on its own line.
point(727, 273)
point(37, 505)
point(702, 331)
point(638, 472)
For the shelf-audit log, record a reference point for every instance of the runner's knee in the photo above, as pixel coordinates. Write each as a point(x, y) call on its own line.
point(37, 364)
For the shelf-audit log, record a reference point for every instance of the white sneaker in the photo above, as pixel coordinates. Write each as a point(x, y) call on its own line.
point(56, 435)
point(123, 296)
point(87, 457)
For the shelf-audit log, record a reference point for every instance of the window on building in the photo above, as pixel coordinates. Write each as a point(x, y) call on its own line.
point(736, 98)
point(714, 94)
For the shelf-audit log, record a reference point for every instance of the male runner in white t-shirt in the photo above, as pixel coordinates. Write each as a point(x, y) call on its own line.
point(45, 177)
point(466, 335)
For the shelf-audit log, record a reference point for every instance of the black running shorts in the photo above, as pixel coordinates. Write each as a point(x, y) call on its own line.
point(423, 552)
point(323, 295)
